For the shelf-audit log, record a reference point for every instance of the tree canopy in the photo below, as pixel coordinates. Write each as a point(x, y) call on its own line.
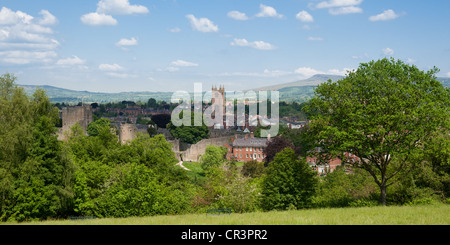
point(385, 109)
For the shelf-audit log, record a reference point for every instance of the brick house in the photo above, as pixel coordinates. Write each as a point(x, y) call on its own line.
point(327, 166)
point(247, 148)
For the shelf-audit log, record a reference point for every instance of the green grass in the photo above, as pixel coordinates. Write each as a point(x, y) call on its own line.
point(392, 215)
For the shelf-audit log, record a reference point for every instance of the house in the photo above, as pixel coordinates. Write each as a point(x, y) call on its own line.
point(324, 166)
point(247, 148)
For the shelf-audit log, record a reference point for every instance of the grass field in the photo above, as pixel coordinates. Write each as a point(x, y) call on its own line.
point(393, 215)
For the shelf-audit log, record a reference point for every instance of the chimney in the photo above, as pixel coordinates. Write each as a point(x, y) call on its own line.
point(246, 136)
point(251, 135)
point(268, 137)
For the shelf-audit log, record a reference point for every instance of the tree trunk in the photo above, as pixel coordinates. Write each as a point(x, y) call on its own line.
point(383, 194)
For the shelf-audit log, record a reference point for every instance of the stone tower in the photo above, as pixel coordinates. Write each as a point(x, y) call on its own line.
point(73, 114)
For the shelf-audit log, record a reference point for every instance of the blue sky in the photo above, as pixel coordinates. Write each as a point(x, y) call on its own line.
point(168, 45)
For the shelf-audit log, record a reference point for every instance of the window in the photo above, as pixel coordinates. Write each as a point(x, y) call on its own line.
point(259, 155)
point(246, 156)
point(246, 149)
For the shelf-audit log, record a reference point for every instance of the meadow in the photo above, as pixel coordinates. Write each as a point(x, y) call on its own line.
point(434, 214)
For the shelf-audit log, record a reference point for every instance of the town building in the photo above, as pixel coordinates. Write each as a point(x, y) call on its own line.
point(323, 165)
point(247, 149)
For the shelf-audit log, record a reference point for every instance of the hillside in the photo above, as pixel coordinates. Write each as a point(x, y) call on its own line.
point(298, 91)
point(73, 97)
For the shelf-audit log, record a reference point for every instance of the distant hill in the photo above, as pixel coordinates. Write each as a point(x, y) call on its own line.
point(303, 90)
point(312, 81)
point(72, 96)
point(298, 91)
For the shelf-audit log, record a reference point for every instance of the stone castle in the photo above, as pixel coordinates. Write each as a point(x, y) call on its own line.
point(72, 115)
point(127, 132)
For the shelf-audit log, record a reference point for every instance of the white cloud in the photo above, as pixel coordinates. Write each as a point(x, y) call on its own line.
point(267, 11)
point(74, 60)
point(172, 69)
point(25, 39)
point(120, 75)
point(386, 15)
point(338, 3)
point(9, 17)
point(345, 10)
point(96, 19)
point(109, 67)
point(182, 63)
point(309, 72)
point(339, 7)
point(237, 15)
point(304, 16)
point(202, 24)
point(176, 29)
point(388, 51)
point(409, 60)
point(47, 18)
point(120, 7)
point(265, 73)
point(22, 57)
point(342, 72)
point(127, 42)
point(357, 57)
point(256, 44)
point(448, 74)
point(315, 39)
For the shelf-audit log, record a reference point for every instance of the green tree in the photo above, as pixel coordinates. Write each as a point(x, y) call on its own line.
point(253, 169)
point(190, 134)
point(288, 182)
point(95, 128)
point(384, 109)
point(35, 172)
point(214, 157)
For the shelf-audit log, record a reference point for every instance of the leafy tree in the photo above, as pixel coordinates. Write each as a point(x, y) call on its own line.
point(289, 182)
point(152, 103)
point(214, 157)
point(384, 109)
point(94, 128)
point(253, 169)
point(161, 120)
point(276, 144)
point(35, 172)
point(190, 134)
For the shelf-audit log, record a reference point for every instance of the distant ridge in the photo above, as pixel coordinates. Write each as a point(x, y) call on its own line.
point(312, 81)
point(298, 91)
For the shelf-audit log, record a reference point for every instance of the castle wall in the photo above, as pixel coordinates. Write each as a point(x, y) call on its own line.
point(193, 152)
point(73, 114)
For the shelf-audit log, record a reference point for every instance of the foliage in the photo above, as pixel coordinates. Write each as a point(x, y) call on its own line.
point(36, 174)
point(161, 120)
point(214, 157)
point(253, 169)
point(380, 111)
point(289, 182)
point(340, 189)
point(97, 127)
point(190, 134)
point(225, 187)
point(276, 145)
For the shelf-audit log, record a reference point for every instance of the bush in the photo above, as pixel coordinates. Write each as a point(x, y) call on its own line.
point(288, 182)
point(339, 189)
